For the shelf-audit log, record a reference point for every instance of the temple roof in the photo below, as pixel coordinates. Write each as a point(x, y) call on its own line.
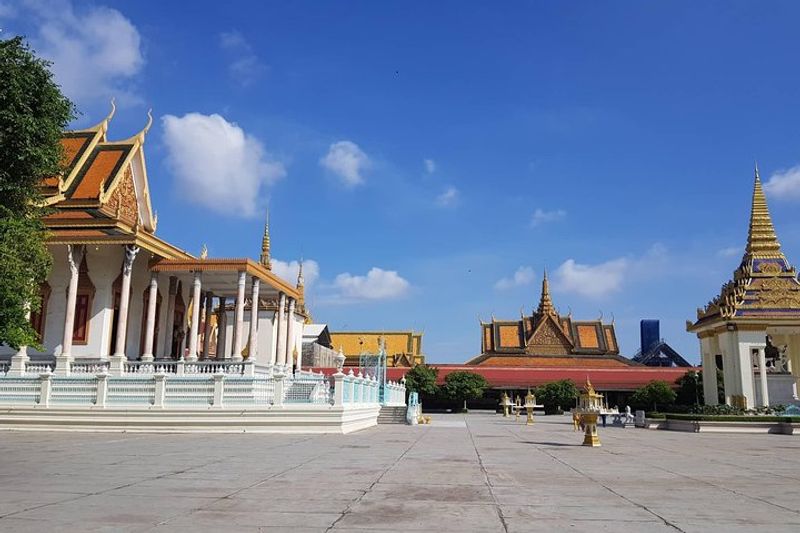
point(103, 194)
point(556, 339)
point(765, 284)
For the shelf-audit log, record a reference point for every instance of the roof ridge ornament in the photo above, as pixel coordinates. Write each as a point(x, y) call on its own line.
point(265, 259)
point(545, 302)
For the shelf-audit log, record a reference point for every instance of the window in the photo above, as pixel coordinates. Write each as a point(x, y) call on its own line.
point(83, 305)
point(38, 317)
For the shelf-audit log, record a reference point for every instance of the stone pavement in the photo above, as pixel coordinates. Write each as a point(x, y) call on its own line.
point(468, 474)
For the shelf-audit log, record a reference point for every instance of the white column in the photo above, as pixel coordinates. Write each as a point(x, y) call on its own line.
point(709, 371)
point(124, 298)
point(254, 321)
point(239, 327)
point(207, 329)
point(290, 342)
point(194, 329)
point(74, 258)
point(762, 371)
point(281, 338)
point(150, 327)
point(170, 324)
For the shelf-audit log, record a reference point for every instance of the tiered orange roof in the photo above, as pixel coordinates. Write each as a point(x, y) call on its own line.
point(103, 194)
point(547, 338)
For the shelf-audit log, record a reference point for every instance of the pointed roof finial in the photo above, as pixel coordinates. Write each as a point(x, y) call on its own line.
point(264, 259)
point(756, 168)
point(545, 303)
point(204, 252)
point(300, 280)
point(762, 243)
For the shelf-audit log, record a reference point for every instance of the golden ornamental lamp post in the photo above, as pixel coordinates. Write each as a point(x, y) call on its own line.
point(505, 401)
point(590, 405)
point(530, 402)
point(517, 407)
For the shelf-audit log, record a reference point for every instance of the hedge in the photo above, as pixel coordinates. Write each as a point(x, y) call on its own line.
point(733, 418)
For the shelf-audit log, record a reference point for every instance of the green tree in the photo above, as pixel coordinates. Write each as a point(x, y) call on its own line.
point(690, 388)
point(463, 385)
point(654, 393)
point(422, 379)
point(557, 395)
point(33, 114)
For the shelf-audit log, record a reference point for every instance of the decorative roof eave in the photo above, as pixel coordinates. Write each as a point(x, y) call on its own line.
point(227, 265)
point(127, 235)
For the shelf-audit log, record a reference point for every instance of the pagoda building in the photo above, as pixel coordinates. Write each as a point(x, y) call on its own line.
point(119, 292)
point(549, 339)
point(751, 330)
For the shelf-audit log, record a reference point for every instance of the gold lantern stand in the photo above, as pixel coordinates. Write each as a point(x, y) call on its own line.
point(589, 407)
point(505, 401)
point(530, 402)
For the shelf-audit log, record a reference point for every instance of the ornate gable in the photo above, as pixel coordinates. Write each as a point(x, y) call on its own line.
point(549, 339)
point(123, 202)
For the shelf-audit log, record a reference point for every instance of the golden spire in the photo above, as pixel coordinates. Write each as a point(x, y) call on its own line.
point(300, 280)
point(761, 239)
point(545, 303)
point(264, 259)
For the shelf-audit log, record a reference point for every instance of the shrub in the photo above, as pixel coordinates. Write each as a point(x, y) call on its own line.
point(557, 395)
point(654, 393)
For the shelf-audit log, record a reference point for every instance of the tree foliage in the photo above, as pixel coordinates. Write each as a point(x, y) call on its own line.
point(463, 385)
point(654, 393)
point(690, 389)
point(557, 395)
point(422, 379)
point(33, 114)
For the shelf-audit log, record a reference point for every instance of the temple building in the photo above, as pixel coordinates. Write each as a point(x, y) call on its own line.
point(403, 348)
point(751, 330)
point(547, 338)
point(117, 291)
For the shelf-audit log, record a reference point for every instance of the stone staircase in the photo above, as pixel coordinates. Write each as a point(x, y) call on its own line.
point(392, 415)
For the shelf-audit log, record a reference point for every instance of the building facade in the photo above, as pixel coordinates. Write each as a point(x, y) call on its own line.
point(403, 348)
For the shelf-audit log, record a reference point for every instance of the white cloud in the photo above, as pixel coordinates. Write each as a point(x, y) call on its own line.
point(288, 270)
point(730, 251)
point(346, 160)
point(592, 281)
point(448, 198)
point(378, 284)
point(96, 51)
point(541, 216)
point(430, 166)
point(217, 164)
point(245, 67)
point(785, 184)
point(523, 276)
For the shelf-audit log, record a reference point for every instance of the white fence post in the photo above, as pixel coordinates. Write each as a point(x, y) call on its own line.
point(180, 368)
point(116, 365)
point(46, 385)
point(161, 389)
point(219, 389)
point(338, 389)
point(102, 389)
point(277, 379)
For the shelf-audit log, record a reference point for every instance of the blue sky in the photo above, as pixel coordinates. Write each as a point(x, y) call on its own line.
point(430, 159)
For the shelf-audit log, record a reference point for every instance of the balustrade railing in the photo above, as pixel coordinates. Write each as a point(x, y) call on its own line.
point(178, 384)
point(89, 367)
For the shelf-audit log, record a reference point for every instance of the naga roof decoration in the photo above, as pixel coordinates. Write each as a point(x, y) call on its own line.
point(764, 285)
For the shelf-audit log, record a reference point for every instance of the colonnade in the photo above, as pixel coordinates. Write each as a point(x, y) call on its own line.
point(283, 323)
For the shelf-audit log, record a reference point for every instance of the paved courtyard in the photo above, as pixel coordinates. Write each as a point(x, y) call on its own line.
point(468, 474)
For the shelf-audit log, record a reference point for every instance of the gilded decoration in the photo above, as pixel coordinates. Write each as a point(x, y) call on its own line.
point(123, 200)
